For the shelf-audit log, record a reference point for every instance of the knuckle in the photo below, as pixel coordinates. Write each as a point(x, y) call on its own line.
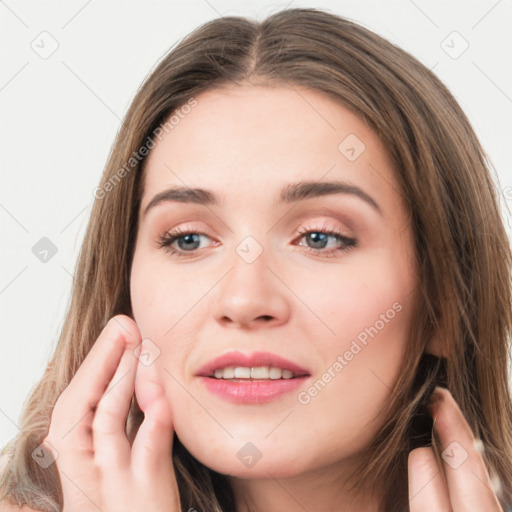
point(65, 431)
point(105, 419)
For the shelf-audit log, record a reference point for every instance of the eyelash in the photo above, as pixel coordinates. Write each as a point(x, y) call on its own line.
point(166, 240)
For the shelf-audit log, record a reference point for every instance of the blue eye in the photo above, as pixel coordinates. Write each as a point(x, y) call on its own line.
point(188, 242)
point(320, 238)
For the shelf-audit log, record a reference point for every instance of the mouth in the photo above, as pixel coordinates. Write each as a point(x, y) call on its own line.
point(254, 378)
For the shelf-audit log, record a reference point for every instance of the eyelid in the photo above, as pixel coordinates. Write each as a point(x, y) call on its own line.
point(325, 223)
point(320, 218)
point(348, 215)
point(300, 223)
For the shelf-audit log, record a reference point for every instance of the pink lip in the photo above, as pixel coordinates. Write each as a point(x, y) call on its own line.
point(251, 391)
point(235, 358)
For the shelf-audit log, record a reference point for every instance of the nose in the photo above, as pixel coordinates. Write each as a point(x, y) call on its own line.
point(252, 295)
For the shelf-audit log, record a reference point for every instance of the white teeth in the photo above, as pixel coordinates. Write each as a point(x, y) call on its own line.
point(229, 373)
point(260, 372)
point(242, 373)
point(275, 373)
point(257, 372)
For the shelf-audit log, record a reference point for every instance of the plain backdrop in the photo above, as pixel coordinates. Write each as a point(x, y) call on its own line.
point(68, 73)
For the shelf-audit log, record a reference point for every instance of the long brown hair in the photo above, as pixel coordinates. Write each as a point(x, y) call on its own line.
point(461, 246)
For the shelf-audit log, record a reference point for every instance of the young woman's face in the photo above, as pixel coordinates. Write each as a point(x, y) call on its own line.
point(256, 274)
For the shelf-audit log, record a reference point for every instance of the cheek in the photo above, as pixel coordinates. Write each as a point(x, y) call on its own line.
point(363, 313)
point(161, 295)
point(354, 300)
point(146, 305)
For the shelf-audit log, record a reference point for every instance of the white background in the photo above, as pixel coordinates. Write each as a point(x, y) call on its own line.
point(59, 117)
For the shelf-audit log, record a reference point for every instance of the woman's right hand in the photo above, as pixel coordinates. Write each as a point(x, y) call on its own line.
point(98, 466)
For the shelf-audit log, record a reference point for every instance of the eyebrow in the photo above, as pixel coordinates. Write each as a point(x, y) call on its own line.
point(289, 194)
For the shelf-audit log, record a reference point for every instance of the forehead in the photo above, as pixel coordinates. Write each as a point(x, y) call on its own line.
point(253, 140)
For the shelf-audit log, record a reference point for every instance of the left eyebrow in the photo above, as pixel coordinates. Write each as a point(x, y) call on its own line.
point(289, 194)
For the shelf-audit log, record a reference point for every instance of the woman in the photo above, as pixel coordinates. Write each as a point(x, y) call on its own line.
point(347, 256)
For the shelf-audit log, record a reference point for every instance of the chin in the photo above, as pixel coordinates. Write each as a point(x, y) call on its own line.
point(246, 459)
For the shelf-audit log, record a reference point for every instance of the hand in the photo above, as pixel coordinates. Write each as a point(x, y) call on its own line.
point(461, 483)
point(99, 469)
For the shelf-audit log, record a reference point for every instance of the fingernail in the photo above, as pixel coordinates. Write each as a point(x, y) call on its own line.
point(435, 400)
point(438, 393)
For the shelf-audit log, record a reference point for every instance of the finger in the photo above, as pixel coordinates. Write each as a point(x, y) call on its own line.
point(152, 465)
point(73, 413)
point(111, 445)
point(427, 491)
point(152, 447)
point(468, 480)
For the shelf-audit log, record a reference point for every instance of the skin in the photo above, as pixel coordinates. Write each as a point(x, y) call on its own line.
point(245, 144)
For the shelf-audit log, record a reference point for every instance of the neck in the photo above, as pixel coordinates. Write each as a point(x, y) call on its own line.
point(321, 489)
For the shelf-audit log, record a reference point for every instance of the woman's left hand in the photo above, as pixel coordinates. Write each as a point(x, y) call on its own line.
point(467, 486)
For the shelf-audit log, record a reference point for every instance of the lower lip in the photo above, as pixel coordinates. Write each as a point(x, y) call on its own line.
point(251, 391)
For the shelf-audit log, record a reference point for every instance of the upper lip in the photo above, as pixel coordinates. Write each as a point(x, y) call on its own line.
point(254, 359)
